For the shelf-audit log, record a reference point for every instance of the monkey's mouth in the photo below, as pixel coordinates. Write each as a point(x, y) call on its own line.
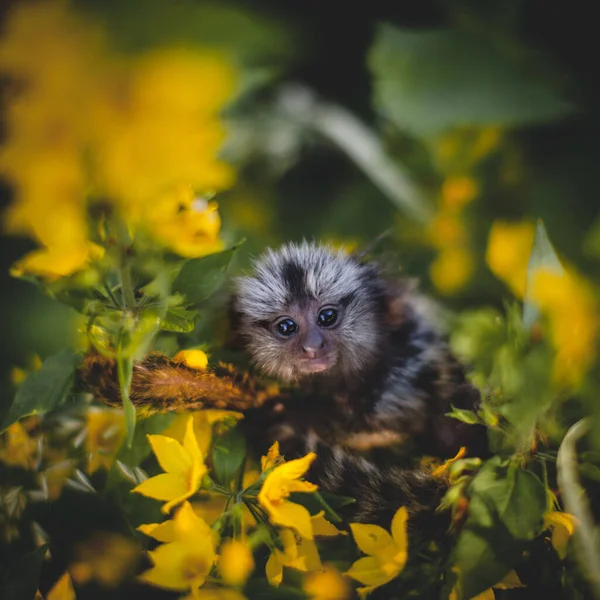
point(316, 365)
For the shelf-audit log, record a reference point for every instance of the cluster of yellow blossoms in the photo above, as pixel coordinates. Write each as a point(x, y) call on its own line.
point(139, 134)
point(457, 154)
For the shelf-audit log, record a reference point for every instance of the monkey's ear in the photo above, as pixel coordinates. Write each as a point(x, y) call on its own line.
point(398, 292)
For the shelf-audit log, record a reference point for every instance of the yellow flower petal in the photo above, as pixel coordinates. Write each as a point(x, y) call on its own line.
point(63, 589)
point(274, 569)
point(399, 527)
point(294, 516)
point(170, 454)
point(368, 570)
point(190, 444)
point(563, 526)
point(371, 539)
point(321, 526)
point(294, 469)
point(163, 532)
point(165, 486)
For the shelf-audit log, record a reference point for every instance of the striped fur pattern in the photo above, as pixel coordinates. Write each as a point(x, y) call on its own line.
point(303, 276)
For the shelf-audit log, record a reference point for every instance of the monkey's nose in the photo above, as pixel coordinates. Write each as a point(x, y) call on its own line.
point(312, 344)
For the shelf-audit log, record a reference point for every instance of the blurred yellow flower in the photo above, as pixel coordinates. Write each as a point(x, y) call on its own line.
point(88, 123)
point(184, 222)
point(105, 434)
point(387, 553)
point(185, 562)
point(458, 191)
point(569, 303)
point(452, 269)
point(447, 230)
point(236, 562)
point(204, 421)
point(158, 126)
point(562, 526)
point(62, 589)
point(327, 584)
point(194, 359)
point(106, 557)
point(298, 553)
point(17, 447)
point(508, 251)
point(183, 465)
point(276, 489)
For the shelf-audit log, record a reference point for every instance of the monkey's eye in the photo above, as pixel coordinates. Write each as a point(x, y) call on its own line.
point(286, 327)
point(327, 317)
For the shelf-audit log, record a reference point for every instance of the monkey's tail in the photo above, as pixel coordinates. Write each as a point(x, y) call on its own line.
point(161, 384)
point(380, 490)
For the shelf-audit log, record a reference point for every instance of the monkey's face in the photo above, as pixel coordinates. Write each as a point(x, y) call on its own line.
point(310, 311)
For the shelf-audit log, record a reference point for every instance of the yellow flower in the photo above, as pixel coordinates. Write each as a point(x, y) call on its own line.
point(457, 192)
point(62, 589)
point(326, 585)
point(194, 359)
point(272, 458)
point(105, 433)
point(508, 251)
point(276, 489)
point(106, 557)
point(185, 562)
point(452, 269)
point(204, 420)
point(387, 553)
point(236, 562)
point(570, 305)
point(562, 526)
point(183, 465)
point(298, 553)
point(17, 447)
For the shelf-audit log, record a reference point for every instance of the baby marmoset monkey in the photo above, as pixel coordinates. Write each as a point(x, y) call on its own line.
point(370, 370)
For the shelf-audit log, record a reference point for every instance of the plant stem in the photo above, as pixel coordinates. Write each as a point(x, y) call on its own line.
point(577, 504)
point(124, 242)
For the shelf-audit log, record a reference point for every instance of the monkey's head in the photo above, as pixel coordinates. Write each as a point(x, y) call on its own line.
point(311, 310)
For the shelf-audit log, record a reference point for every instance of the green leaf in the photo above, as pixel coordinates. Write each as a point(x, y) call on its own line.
point(245, 34)
point(543, 256)
point(429, 81)
point(22, 578)
point(506, 509)
point(466, 416)
point(199, 278)
point(46, 389)
point(179, 320)
point(228, 454)
point(125, 371)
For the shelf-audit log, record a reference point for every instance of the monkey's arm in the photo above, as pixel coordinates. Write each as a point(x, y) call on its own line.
point(161, 384)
